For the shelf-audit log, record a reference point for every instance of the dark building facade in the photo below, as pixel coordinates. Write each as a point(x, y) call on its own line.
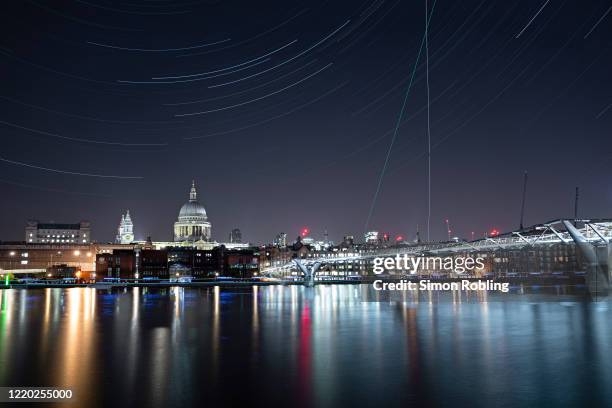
point(121, 264)
point(541, 259)
point(153, 263)
point(178, 261)
point(196, 263)
point(63, 272)
point(240, 263)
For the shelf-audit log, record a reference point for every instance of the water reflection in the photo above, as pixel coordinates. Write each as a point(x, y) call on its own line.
point(321, 346)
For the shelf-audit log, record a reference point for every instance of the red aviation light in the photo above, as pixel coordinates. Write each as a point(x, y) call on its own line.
point(305, 231)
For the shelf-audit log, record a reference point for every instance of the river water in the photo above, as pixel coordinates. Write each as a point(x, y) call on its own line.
point(331, 345)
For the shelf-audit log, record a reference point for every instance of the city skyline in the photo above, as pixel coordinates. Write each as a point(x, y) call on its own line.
point(126, 232)
point(314, 203)
point(284, 123)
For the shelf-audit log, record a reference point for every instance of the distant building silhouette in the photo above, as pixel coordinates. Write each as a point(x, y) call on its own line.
point(235, 237)
point(280, 240)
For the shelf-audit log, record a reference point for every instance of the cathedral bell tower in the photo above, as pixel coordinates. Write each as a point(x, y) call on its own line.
point(125, 232)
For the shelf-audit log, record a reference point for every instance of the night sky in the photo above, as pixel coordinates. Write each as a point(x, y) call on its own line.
point(283, 113)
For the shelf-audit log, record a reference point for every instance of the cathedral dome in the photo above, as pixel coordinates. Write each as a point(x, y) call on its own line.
point(192, 224)
point(192, 210)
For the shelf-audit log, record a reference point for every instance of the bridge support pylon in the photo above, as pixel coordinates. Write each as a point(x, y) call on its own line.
point(309, 271)
point(598, 256)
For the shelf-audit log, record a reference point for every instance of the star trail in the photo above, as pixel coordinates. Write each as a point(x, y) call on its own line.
point(310, 113)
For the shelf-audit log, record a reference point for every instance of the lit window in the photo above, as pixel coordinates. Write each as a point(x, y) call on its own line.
point(24, 262)
point(25, 254)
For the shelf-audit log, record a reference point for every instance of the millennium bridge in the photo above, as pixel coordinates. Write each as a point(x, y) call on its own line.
point(592, 237)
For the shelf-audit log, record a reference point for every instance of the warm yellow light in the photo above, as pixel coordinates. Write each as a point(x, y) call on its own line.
point(12, 253)
point(89, 254)
point(78, 274)
point(177, 274)
point(48, 275)
point(77, 253)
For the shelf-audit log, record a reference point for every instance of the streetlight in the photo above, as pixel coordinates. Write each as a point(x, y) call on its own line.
point(12, 255)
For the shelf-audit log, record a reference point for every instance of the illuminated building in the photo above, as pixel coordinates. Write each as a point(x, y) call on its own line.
point(125, 232)
point(281, 240)
point(20, 258)
point(308, 240)
point(371, 237)
point(192, 225)
point(53, 233)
